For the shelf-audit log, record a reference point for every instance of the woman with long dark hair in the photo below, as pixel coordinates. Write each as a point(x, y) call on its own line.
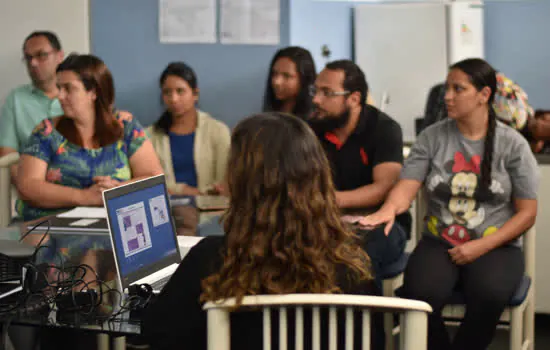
point(191, 144)
point(481, 180)
point(283, 235)
point(291, 75)
point(69, 160)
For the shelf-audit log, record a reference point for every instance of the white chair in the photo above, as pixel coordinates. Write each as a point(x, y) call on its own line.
point(413, 318)
point(392, 278)
point(520, 314)
point(6, 190)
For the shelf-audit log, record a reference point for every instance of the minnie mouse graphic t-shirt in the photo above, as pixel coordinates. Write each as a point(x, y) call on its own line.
point(449, 165)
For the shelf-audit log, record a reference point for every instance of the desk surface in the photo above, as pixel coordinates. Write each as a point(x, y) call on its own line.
point(66, 251)
point(118, 326)
point(71, 250)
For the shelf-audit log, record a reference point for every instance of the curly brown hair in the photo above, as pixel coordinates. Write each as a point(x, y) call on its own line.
point(283, 228)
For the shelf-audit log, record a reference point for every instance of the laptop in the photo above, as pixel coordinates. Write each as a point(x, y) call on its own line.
point(142, 233)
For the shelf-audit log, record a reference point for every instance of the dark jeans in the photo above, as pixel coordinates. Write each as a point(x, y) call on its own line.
point(384, 250)
point(488, 283)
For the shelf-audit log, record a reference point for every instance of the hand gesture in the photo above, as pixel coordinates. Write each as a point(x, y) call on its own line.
point(92, 196)
point(219, 189)
point(186, 190)
point(468, 252)
point(106, 182)
point(384, 216)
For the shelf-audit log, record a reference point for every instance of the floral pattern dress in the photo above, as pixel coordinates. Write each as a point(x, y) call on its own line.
point(74, 166)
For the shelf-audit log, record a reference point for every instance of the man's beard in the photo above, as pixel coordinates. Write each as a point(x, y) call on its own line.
point(329, 122)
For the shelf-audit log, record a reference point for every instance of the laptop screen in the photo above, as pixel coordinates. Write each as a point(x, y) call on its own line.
point(142, 231)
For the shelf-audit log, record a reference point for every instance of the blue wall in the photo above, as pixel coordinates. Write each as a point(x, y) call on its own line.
point(515, 35)
point(124, 33)
point(516, 42)
point(314, 24)
point(232, 77)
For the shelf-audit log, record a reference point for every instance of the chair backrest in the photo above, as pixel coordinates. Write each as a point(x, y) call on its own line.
point(5, 187)
point(529, 248)
point(420, 206)
point(414, 318)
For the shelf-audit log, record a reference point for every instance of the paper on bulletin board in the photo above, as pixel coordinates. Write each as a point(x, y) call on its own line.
point(465, 30)
point(187, 21)
point(250, 22)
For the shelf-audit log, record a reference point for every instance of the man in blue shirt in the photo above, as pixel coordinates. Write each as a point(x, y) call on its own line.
point(29, 104)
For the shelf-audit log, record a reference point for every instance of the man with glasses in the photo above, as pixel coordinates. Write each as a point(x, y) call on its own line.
point(365, 149)
point(29, 104)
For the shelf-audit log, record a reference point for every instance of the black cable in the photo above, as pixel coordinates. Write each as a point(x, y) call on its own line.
point(21, 305)
point(51, 266)
point(38, 271)
point(109, 290)
point(87, 286)
point(40, 242)
point(124, 307)
point(99, 301)
point(133, 302)
point(43, 301)
point(15, 308)
point(76, 285)
point(93, 303)
point(68, 282)
point(84, 266)
point(34, 227)
point(58, 255)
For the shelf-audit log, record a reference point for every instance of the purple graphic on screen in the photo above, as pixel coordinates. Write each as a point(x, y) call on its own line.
point(160, 212)
point(133, 244)
point(139, 228)
point(127, 220)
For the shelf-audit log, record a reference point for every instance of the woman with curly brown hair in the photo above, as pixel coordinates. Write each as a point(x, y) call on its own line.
point(283, 235)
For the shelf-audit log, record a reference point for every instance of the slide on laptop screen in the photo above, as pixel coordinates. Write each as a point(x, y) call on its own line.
point(141, 229)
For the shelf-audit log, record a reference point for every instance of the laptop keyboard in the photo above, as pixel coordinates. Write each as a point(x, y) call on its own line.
point(158, 285)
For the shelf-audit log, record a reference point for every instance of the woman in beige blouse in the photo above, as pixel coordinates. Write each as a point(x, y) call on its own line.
point(191, 144)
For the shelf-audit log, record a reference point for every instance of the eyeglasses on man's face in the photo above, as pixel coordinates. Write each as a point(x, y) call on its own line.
point(40, 56)
point(324, 92)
